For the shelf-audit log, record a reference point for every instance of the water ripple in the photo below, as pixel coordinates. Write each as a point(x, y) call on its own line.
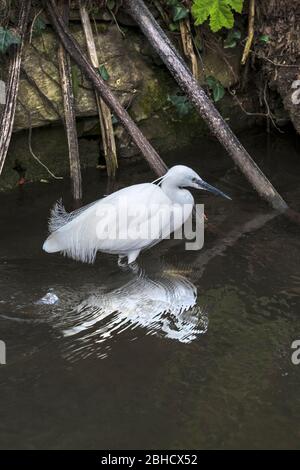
point(164, 305)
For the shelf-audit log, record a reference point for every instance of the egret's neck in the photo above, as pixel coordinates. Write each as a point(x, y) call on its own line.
point(176, 194)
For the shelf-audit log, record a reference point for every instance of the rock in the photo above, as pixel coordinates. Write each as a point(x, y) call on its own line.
point(40, 93)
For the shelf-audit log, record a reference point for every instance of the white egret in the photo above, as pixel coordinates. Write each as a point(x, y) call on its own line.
point(127, 221)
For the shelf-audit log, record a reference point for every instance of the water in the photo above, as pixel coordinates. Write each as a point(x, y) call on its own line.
point(192, 351)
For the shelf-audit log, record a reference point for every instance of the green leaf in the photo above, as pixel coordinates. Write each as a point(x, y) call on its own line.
point(216, 87)
point(38, 26)
point(103, 72)
point(7, 38)
point(232, 38)
point(218, 92)
point(220, 12)
point(179, 13)
point(264, 38)
point(114, 119)
point(111, 4)
point(173, 27)
point(201, 10)
point(181, 103)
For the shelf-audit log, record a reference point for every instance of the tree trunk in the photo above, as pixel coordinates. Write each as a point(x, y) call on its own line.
point(204, 106)
point(69, 111)
point(107, 130)
point(8, 114)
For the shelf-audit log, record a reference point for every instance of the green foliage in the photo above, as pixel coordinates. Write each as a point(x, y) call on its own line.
point(264, 38)
point(103, 72)
point(38, 26)
point(173, 27)
point(181, 103)
point(232, 39)
point(179, 12)
point(110, 4)
point(7, 38)
point(216, 87)
point(220, 12)
point(114, 120)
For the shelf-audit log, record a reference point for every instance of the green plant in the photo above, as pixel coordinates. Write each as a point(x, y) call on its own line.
point(103, 72)
point(7, 38)
point(220, 12)
point(232, 39)
point(181, 103)
point(39, 26)
point(178, 12)
point(216, 87)
point(264, 38)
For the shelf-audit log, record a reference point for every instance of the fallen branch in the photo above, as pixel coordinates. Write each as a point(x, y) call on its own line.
point(107, 130)
point(75, 52)
point(69, 110)
point(8, 115)
point(250, 32)
point(204, 106)
point(188, 45)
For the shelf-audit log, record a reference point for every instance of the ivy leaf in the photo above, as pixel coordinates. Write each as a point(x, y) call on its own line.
point(114, 119)
point(232, 38)
point(111, 4)
point(103, 72)
point(39, 26)
point(216, 88)
point(264, 38)
point(181, 103)
point(179, 13)
point(173, 27)
point(220, 12)
point(7, 38)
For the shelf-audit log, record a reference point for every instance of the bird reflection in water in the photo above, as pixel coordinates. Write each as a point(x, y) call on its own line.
point(164, 305)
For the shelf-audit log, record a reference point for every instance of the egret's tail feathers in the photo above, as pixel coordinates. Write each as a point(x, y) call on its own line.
point(59, 217)
point(51, 245)
point(72, 233)
point(71, 245)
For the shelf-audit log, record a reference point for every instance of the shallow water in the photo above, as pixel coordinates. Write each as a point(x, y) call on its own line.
point(192, 351)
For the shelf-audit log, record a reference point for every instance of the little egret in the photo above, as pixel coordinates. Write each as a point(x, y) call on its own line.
point(127, 221)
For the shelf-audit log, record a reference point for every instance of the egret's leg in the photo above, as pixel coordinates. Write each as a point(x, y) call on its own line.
point(132, 256)
point(122, 261)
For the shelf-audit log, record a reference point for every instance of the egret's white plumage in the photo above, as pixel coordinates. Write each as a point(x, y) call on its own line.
point(163, 208)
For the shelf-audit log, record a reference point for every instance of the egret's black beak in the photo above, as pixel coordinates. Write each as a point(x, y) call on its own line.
point(208, 187)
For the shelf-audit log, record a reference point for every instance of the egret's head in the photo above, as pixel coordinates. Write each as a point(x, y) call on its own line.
point(184, 177)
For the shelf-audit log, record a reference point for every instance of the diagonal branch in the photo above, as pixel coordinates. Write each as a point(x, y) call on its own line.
point(175, 63)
